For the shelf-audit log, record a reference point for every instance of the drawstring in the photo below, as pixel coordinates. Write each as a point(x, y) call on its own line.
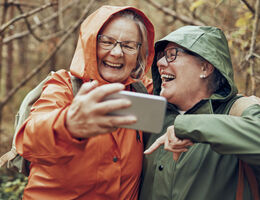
point(138, 138)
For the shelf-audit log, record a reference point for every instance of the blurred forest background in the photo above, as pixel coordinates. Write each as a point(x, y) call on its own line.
point(37, 36)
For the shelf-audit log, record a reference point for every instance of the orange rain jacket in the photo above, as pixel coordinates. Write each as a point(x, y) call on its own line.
point(99, 168)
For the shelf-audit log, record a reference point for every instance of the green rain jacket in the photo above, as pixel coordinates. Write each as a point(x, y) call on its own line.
point(209, 169)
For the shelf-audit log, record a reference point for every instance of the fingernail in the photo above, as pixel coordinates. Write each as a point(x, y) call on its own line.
point(94, 82)
point(133, 118)
point(128, 102)
point(120, 85)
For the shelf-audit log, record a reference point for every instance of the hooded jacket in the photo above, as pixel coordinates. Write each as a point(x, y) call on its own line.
point(104, 167)
point(209, 169)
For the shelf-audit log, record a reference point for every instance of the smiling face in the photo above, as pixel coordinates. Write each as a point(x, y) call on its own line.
point(114, 65)
point(181, 82)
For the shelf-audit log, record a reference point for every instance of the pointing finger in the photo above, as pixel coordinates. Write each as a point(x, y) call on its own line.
point(155, 145)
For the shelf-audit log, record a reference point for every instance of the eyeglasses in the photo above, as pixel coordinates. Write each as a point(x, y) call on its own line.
point(171, 54)
point(108, 43)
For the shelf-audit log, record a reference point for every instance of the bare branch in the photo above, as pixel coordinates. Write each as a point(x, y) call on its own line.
point(255, 27)
point(47, 59)
point(172, 13)
point(250, 56)
point(14, 3)
point(54, 35)
point(256, 55)
point(248, 6)
point(6, 25)
point(28, 25)
point(46, 20)
point(60, 14)
point(2, 20)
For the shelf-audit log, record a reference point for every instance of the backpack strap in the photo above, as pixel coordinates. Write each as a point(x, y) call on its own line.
point(241, 104)
point(244, 168)
point(23, 113)
point(252, 180)
point(76, 83)
point(240, 184)
point(7, 156)
point(236, 108)
point(21, 116)
point(26, 105)
point(225, 107)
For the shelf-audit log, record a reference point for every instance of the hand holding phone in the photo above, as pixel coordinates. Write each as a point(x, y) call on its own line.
point(149, 110)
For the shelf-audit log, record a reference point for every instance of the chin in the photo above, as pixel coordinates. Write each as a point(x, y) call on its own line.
point(163, 93)
point(113, 79)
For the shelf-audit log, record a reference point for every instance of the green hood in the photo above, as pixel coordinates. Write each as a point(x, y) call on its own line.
point(208, 42)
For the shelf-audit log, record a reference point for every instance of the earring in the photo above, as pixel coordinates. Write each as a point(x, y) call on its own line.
point(202, 76)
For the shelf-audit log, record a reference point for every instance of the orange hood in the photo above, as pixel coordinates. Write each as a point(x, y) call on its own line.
point(84, 62)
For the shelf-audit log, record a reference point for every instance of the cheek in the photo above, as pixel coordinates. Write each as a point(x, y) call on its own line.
point(131, 62)
point(100, 54)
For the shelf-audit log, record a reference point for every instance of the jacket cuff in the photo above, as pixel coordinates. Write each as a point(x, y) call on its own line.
point(63, 133)
point(188, 127)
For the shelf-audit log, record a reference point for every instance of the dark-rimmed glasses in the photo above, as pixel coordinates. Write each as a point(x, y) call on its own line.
point(108, 43)
point(171, 54)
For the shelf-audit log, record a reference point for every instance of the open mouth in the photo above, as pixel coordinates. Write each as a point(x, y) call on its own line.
point(113, 65)
point(167, 77)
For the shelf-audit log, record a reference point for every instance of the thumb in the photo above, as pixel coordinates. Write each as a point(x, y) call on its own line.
point(87, 87)
point(155, 145)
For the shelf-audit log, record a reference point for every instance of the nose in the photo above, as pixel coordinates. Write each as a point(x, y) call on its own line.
point(117, 51)
point(162, 63)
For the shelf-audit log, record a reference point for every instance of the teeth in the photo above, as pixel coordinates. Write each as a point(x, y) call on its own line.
point(113, 64)
point(167, 76)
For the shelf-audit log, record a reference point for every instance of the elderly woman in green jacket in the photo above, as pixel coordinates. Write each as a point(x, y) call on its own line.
point(193, 70)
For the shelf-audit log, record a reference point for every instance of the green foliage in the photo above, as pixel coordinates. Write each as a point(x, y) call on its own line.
point(11, 185)
point(196, 4)
point(233, 17)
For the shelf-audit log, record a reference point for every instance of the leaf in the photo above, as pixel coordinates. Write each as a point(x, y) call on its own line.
point(244, 20)
point(230, 43)
point(242, 31)
point(196, 4)
point(219, 2)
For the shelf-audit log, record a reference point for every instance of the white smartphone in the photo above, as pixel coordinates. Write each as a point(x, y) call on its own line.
point(149, 110)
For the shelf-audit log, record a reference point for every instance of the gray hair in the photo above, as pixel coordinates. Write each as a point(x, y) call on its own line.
point(216, 80)
point(143, 50)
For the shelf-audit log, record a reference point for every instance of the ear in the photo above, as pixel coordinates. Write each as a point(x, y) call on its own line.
point(207, 68)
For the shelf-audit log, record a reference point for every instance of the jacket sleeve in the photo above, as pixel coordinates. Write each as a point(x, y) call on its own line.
point(43, 137)
point(225, 133)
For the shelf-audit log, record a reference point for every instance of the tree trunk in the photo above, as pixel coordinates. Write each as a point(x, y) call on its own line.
point(22, 56)
point(10, 58)
point(3, 18)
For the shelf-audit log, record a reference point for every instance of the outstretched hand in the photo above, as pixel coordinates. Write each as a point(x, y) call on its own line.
point(171, 143)
point(87, 115)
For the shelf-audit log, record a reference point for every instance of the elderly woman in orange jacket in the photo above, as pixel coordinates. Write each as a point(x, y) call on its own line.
point(73, 146)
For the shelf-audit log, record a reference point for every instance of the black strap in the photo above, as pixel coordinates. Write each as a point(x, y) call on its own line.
point(225, 107)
